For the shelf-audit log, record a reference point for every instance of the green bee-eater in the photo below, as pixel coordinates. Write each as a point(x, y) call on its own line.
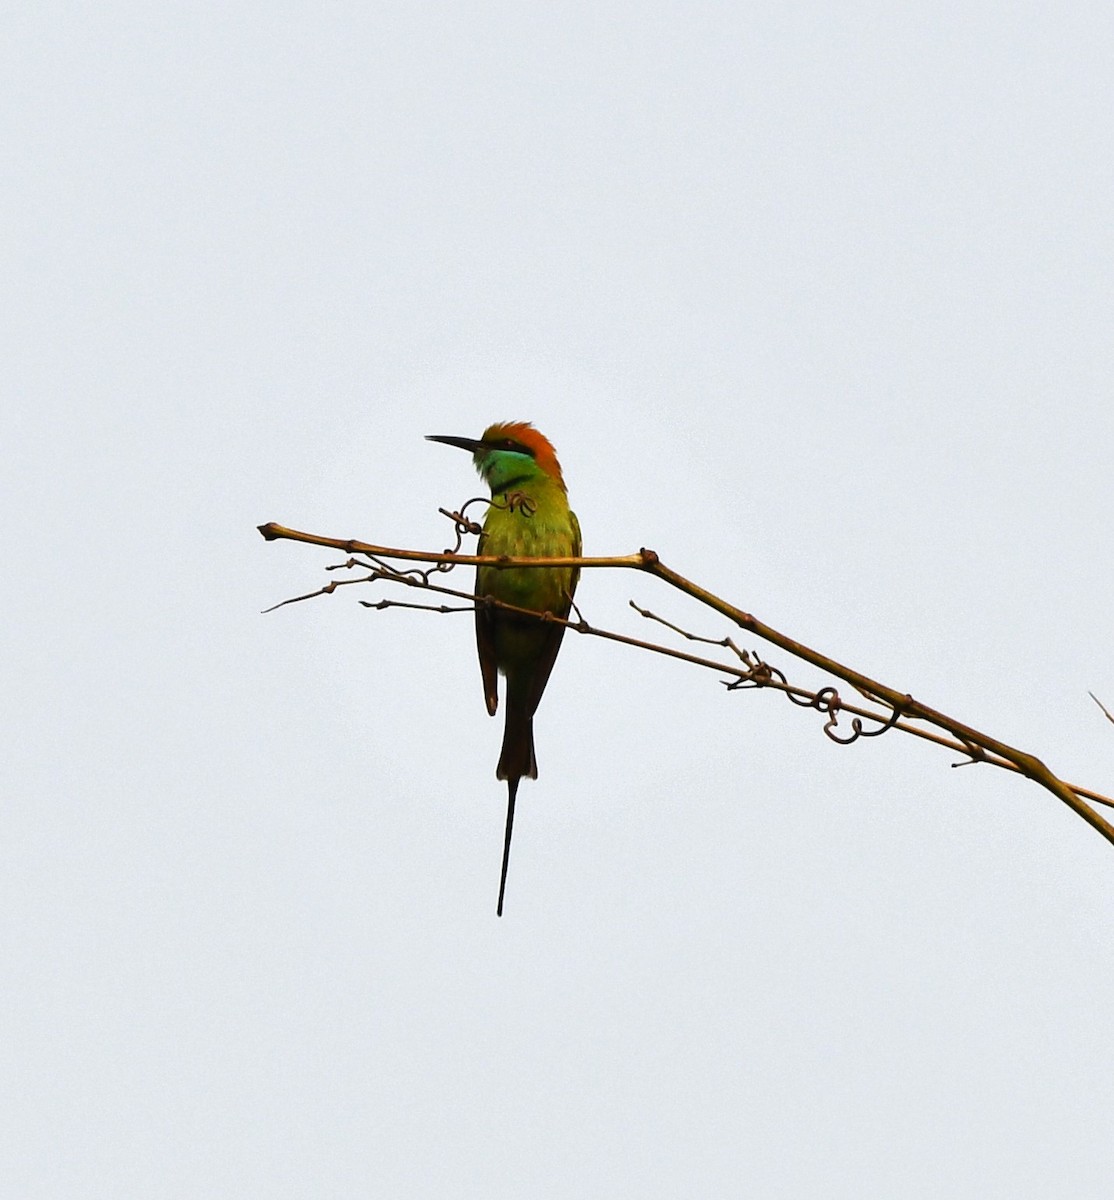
point(529, 515)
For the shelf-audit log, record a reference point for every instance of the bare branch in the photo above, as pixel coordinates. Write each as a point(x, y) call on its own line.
point(899, 709)
point(274, 532)
point(1027, 764)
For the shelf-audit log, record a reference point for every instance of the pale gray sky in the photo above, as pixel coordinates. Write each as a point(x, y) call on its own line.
point(815, 300)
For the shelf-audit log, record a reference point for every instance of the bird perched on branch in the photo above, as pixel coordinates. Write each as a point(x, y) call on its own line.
point(529, 516)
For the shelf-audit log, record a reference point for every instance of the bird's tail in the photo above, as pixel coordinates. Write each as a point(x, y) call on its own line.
point(515, 761)
point(517, 756)
point(512, 792)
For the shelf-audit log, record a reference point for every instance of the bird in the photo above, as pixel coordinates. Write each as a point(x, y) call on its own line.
point(528, 516)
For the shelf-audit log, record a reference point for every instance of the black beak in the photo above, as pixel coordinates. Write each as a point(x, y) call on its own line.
point(472, 445)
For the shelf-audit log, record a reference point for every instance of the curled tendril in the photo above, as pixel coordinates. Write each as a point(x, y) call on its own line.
point(462, 527)
point(517, 502)
point(471, 526)
point(822, 701)
point(826, 700)
point(857, 730)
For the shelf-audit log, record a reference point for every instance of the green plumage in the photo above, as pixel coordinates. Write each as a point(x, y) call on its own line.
point(529, 517)
point(537, 522)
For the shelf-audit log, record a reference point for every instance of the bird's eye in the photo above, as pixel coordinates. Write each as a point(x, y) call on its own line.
point(516, 447)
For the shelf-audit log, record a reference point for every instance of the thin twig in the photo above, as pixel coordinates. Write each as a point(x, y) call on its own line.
point(1109, 716)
